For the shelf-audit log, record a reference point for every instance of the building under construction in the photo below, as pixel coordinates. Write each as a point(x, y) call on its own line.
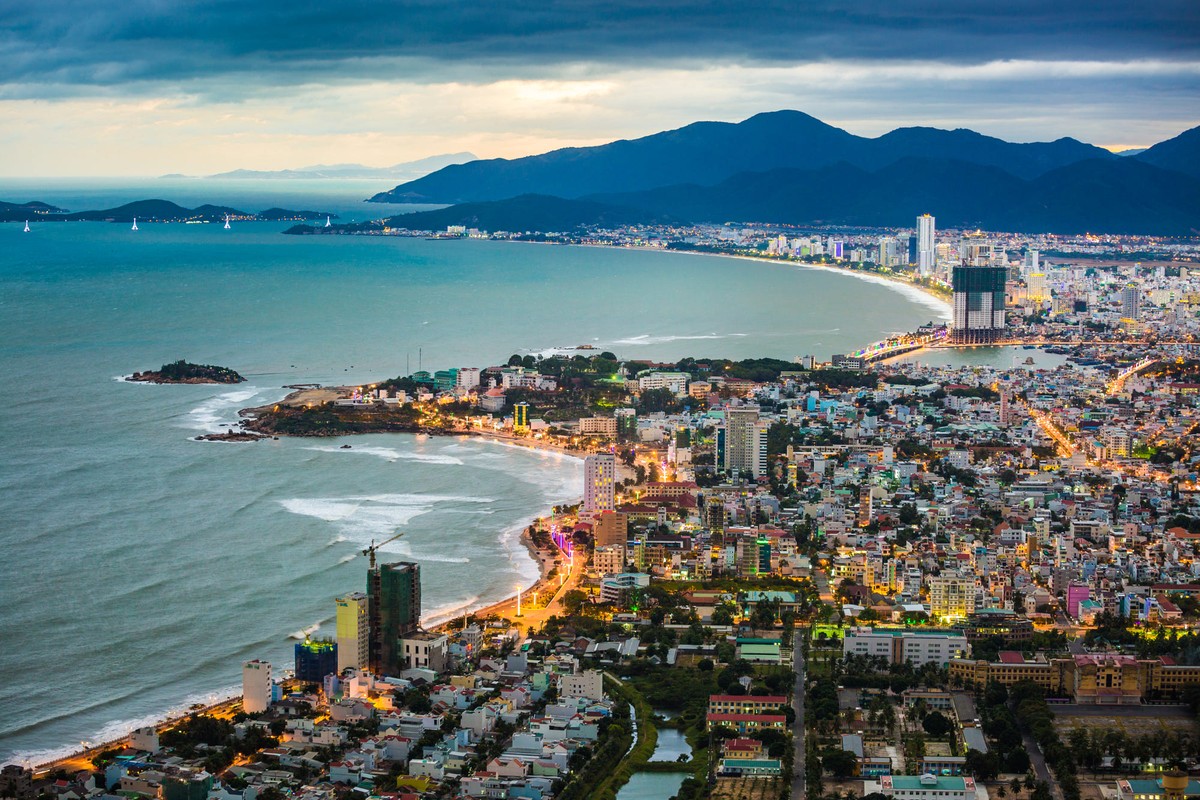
point(978, 304)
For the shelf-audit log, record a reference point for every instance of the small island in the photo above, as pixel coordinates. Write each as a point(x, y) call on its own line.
point(184, 372)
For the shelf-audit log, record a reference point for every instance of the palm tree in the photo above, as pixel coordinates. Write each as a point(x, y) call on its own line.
point(1016, 787)
point(1002, 792)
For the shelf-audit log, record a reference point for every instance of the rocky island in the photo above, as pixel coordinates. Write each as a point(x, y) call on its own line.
point(184, 372)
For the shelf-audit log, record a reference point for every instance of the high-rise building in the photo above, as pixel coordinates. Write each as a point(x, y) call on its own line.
point(1131, 302)
point(395, 612)
point(978, 304)
point(353, 631)
point(521, 417)
point(599, 483)
point(316, 658)
point(745, 442)
point(951, 597)
point(926, 256)
point(1032, 262)
point(610, 528)
point(256, 686)
point(889, 252)
point(1036, 287)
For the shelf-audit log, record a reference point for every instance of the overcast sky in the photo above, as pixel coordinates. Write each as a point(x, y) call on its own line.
point(146, 87)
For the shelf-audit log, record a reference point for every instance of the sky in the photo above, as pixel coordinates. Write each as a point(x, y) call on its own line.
point(147, 87)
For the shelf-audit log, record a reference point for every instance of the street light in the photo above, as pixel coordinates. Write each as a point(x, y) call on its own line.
point(518, 599)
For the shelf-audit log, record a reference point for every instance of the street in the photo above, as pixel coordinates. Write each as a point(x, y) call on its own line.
point(798, 707)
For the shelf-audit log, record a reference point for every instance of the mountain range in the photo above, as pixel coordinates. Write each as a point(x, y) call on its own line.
point(406, 171)
point(790, 168)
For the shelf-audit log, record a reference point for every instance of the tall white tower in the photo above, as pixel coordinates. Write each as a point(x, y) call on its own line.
point(256, 686)
point(599, 483)
point(926, 256)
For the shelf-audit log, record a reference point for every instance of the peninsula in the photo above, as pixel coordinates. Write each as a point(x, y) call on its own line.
point(153, 211)
point(185, 372)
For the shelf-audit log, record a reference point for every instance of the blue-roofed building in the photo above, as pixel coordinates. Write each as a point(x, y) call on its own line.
point(924, 787)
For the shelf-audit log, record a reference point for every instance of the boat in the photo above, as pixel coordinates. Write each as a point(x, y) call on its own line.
point(327, 222)
point(135, 223)
point(226, 222)
point(27, 226)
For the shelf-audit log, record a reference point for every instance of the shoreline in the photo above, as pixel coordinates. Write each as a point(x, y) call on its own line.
point(545, 560)
point(870, 277)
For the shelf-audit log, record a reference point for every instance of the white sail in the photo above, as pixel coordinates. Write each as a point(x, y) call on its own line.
point(226, 222)
point(327, 222)
point(135, 223)
point(27, 226)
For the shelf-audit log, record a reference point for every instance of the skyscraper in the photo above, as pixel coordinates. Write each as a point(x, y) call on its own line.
point(353, 631)
point(926, 257)
point(745, 442)
point(1131, 302)
point(395, 612)
point(599, 483)
point(978, 304)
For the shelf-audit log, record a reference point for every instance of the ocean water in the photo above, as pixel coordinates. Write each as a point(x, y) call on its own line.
point(141, 567)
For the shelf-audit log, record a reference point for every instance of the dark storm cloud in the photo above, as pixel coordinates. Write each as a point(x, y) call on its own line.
point(90, 43)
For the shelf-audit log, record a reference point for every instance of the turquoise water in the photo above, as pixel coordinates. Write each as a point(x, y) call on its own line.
point(141, 567)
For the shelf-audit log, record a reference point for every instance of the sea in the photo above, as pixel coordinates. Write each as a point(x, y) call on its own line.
point(141, 567)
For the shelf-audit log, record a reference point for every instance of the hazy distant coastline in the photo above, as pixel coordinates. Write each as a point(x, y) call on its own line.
point(406, 171)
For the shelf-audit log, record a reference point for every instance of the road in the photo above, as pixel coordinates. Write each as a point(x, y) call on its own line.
point(798, 707)
point(1038, 762)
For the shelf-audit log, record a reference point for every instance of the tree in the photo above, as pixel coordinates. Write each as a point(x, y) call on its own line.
point(936, 724)
point(840, 763)
point(573, 601)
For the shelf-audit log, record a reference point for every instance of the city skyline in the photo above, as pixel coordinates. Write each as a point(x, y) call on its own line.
point(144, 90)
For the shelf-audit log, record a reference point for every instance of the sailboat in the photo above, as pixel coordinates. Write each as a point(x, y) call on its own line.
point(27, 226)
point(135, 223)
point(226, 222)
point(327, 222)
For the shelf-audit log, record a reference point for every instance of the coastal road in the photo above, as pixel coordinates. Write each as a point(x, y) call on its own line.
point(798, 707)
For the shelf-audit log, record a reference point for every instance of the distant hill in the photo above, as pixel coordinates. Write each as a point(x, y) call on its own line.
point(706, 153)
point(150, 211)
point(1111, 195)
point(540, 213)
point(405, 171)
point(18, 212)
point(1181, 154)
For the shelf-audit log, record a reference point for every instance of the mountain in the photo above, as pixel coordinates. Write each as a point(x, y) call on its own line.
point(1110, 195)
point(406, 171)
point(706, 153)
point(1181, 154)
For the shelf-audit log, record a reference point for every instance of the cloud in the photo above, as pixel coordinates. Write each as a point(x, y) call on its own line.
point(197, 87)
point(94, 43)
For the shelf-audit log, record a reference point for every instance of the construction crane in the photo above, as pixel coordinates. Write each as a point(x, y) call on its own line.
point(370, 551)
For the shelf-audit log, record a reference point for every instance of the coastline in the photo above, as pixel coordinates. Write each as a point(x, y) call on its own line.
point(870, 277)
point(78, 758)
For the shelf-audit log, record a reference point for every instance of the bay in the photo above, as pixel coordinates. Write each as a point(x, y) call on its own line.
point(141, 567)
